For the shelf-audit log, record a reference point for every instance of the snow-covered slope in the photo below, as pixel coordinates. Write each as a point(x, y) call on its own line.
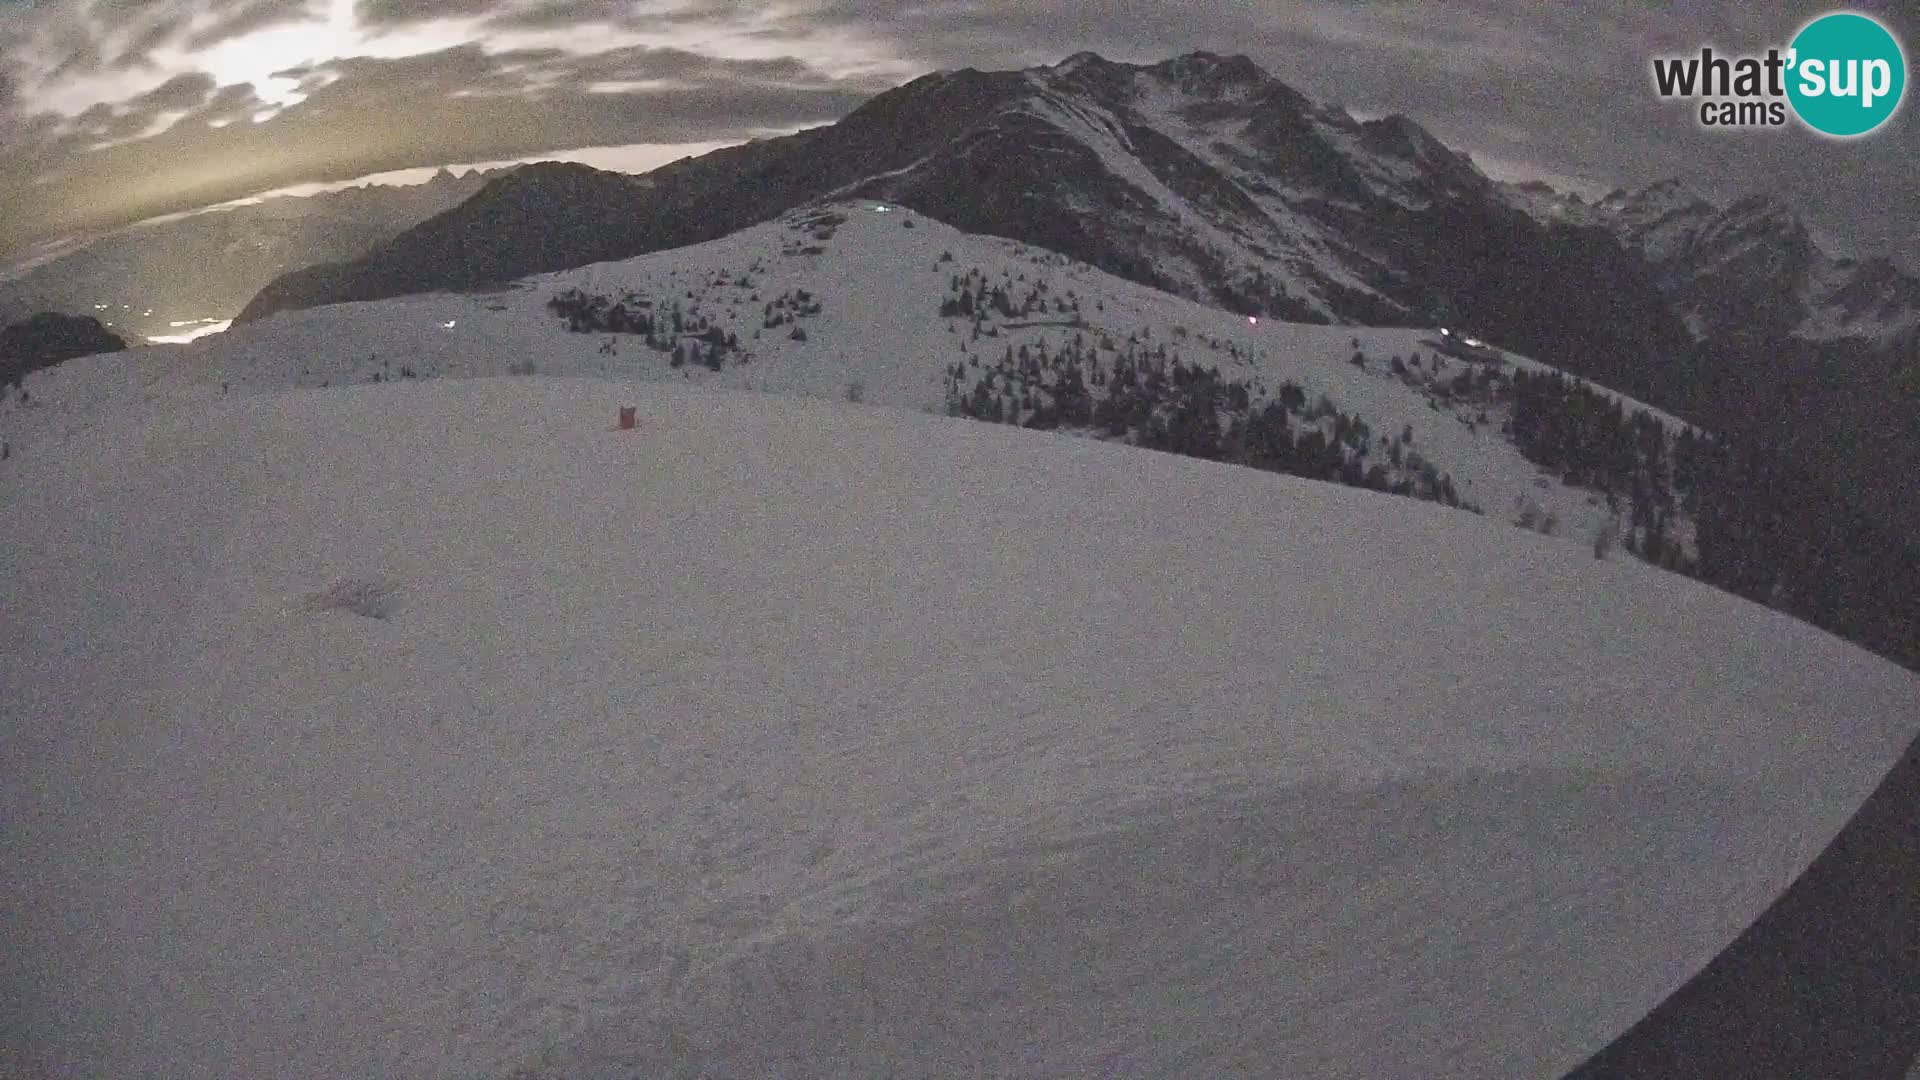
point(879, 286)
point(439, 729)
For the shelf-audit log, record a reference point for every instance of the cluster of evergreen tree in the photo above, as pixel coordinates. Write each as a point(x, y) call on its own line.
point(589, 314)
point(1251, 293)
point(970, 297)
point(687, 337)
point(788, 306)
point(1764, 529)
point(1592, 441)
point(1781, 535)
point(1155, 400)
point(1031, 386)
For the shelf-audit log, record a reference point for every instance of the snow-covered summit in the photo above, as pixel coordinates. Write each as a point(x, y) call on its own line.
point(441, 729)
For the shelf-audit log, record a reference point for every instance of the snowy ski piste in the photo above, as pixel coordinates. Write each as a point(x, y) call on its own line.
point(440, 729)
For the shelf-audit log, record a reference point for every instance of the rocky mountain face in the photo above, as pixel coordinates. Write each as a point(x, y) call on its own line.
point(1749, 271)
point(553, 216)
point(1202, 175)
point(142, 280)
point(1207, 177)
point(50, 338)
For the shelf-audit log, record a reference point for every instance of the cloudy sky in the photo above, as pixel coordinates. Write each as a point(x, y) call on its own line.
point(114, 110)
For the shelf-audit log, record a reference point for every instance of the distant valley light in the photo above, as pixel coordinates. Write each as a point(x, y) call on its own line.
point(205, 328)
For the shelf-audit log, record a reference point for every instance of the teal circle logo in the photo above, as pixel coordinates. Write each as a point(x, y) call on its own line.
point(1846, 74)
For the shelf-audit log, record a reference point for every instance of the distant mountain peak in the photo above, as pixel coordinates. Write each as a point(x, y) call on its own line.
point(537, 169)
point(1752, 269)
point(1083, 59)
point(1190, 69)
point(1762, 204)
point(1764, 219)
point(1402, 131)
point(1237, 65)
point(1661, 197)
point(1212, 74)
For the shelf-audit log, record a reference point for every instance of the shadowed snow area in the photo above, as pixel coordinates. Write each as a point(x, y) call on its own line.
point(787, 737)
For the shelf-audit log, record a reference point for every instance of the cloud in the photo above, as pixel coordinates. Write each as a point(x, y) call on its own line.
point(396, 12)
point(137, 50)
point(180, 92)
point(240, 19)
point(366, 114)
point(557, 14)
point(83, 57)
point(109, 10)
point(1545, 89)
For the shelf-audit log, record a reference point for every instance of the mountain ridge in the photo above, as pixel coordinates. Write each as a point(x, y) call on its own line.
point(1232, 187)
point(1202, 175)
point(1206, 177)
point(1750, 268)
point(131, 278)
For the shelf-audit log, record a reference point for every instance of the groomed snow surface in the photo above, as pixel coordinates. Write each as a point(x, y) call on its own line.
point(438, 729)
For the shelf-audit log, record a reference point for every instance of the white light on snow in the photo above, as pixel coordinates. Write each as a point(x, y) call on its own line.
point(1253, 320)
point(449, 323)
point(205, 328)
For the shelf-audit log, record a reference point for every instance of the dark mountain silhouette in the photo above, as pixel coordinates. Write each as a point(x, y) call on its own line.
point(50, 338)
